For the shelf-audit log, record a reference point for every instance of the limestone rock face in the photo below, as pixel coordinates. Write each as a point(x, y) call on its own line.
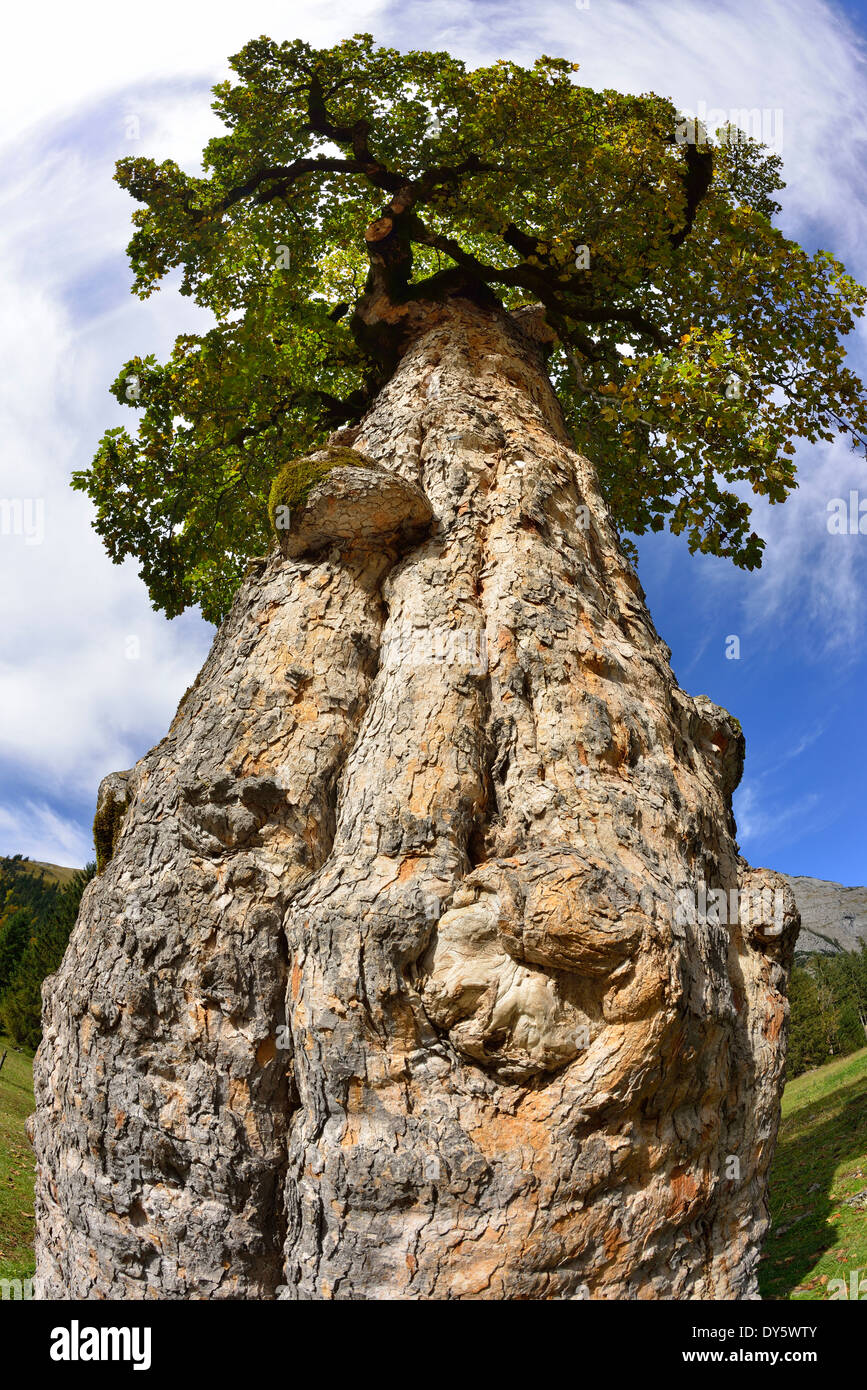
point(833, 917)
point(425, 965)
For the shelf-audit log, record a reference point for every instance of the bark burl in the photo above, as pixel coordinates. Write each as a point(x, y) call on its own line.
point(387, 990)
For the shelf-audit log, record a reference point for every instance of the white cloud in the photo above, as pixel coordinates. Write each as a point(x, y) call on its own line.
point(51, 838)
point(57, 56)
point(760, 819)
point(73, 707)
point(824, 575)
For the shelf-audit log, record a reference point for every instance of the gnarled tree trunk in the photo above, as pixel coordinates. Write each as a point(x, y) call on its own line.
point(388, 990)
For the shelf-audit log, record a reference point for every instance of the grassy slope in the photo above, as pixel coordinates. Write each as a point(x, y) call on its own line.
point(54, 873)
point(821, 1159)
point(16, 1165)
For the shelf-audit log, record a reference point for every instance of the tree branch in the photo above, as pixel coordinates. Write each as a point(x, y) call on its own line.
point(355, 135)
point(632, 317)
point(697, 178)
point(285, 176)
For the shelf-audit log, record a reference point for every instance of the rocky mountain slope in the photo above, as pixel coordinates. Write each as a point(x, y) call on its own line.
point(832, 916)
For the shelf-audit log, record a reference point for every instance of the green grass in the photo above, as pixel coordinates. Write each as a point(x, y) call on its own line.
point(821, 1159)
point(16, 1164)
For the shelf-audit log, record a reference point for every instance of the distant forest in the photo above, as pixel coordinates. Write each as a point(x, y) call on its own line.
point(828, 1000)
point(36, 918)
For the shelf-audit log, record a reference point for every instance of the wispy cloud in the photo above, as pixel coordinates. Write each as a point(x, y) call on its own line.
point(762, 820)
point(49, 837)
point(73, 705)
point(824, 575)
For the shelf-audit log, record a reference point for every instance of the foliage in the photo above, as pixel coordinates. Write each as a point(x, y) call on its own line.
point(695, 342)
point(26, 896)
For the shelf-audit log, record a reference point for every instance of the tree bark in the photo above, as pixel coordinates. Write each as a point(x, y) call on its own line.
point(387, 990)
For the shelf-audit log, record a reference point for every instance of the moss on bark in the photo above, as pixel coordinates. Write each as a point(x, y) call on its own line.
point(106, 829)
point(295, 481)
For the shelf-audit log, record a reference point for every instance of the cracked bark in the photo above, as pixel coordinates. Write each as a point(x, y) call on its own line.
point(383, 994)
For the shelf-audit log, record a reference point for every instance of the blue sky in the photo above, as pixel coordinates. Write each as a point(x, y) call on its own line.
point(74, 704)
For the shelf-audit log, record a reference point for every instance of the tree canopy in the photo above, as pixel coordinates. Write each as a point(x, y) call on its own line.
point(695, 344)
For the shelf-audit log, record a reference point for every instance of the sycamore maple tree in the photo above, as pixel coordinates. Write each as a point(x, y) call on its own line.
point(694, 342)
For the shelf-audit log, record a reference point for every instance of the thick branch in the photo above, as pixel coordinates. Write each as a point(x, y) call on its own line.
point(431, 179)
point(283, 176)
point(631, 317)
point(697, 178)
point(355, 135)
point(331, 410)
point(531, 277)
